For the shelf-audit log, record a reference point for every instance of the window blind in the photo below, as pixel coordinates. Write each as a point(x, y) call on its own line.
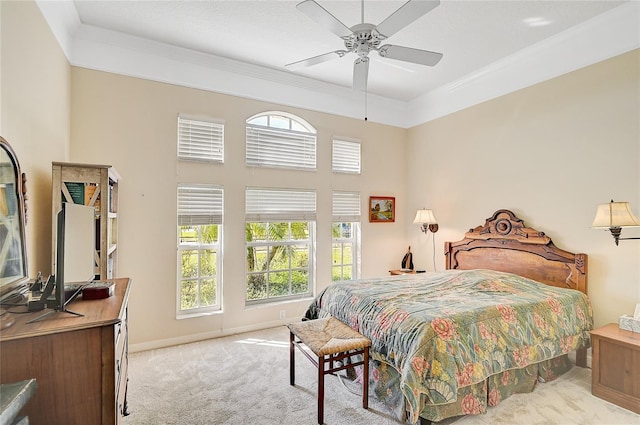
point(199, 205)
point(200, 140)
point(280, 148)
point(280, 204)
point(346, 206)
point(346, 157)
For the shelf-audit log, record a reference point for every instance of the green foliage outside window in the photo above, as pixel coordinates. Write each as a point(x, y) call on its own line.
point(277, 258)
point(198, 266)
point(342, 251)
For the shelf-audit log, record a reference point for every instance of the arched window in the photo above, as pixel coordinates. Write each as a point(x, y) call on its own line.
point(280, 140)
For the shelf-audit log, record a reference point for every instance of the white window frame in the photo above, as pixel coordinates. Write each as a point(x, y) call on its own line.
point(280, 140)
point(200, 205)
point(346, 156)
point(346, 209)
point(268, 206)
point(200, 139)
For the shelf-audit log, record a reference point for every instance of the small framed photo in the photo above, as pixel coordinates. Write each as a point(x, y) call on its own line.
point(382, 209)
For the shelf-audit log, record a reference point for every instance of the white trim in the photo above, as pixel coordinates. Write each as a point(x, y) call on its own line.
point(610, 34)
point(605, 36)
point(63, 19)
point(169, 342)
point(103, 50)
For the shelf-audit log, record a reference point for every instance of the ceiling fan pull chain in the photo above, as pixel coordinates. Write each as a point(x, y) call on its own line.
point(365, 105)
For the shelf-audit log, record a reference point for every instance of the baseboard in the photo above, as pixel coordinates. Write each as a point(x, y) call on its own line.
point(169, 342)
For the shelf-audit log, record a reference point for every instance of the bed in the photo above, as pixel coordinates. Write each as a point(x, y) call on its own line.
point(504, 315)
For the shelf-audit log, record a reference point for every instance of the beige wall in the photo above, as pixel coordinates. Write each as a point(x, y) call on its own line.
point(35, 82)
point(551, 153)
point(132, 124)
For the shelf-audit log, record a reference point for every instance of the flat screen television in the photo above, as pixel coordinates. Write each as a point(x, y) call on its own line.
point(75, 264)
point(74, 257)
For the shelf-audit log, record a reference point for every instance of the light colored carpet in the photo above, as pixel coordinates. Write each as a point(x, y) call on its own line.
point(244, 379)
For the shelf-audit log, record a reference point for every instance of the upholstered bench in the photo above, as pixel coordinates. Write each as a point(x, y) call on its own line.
point(331, 341)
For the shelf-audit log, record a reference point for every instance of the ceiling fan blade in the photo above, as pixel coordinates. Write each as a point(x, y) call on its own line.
point(360, 74)
point(316, 60)
point(408, 54)
point(406, 14)
point(324, 18)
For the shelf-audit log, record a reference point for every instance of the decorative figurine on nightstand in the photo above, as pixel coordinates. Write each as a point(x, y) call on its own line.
point(407, 260)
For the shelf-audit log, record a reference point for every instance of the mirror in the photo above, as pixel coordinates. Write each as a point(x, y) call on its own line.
point(13, 253)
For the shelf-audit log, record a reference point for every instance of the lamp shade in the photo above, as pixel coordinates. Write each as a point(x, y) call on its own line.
point(425, 217)
point(614, 214)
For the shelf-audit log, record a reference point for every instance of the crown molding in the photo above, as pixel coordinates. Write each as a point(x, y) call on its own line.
point(605, 36)
point(114, 52)
point(63, 20)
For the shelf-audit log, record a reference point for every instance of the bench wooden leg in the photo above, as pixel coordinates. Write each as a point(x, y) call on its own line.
point(320, 390)
point(365, 379)
point(292, 360)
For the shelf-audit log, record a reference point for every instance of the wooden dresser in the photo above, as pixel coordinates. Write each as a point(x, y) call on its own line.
point(79, 363)
point(615, 374)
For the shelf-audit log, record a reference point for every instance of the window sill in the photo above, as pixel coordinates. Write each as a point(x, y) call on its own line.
point(199, 313)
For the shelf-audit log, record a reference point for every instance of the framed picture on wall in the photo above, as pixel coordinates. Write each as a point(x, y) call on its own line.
point(382, 209)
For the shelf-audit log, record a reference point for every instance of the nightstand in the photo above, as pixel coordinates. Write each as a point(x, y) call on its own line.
point(615, 374)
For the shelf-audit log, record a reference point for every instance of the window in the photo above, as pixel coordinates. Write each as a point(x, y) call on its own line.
point(280, 140)
point(200, 215)
point(345, 157)
point(346, 236)
point(280, 237)
point(200, 140)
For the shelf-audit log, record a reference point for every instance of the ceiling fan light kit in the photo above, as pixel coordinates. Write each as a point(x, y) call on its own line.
point(364, 37)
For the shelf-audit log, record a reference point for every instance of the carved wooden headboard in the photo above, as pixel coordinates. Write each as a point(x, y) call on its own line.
point(505, 244)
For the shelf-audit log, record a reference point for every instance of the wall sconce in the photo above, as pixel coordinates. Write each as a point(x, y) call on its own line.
point(614, 216)
point(427, 220)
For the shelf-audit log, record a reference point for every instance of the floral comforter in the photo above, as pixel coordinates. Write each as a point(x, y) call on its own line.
point(445, 331)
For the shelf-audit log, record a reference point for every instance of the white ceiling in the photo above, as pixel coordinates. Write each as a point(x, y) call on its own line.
point(257, 38)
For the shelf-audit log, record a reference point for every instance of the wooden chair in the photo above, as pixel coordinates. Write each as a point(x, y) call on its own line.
point(331, 341)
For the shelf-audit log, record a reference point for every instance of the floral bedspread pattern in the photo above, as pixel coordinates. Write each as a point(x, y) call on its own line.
point(448, 330)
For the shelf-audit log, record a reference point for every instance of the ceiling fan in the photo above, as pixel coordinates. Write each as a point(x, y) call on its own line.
point(363, 38)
